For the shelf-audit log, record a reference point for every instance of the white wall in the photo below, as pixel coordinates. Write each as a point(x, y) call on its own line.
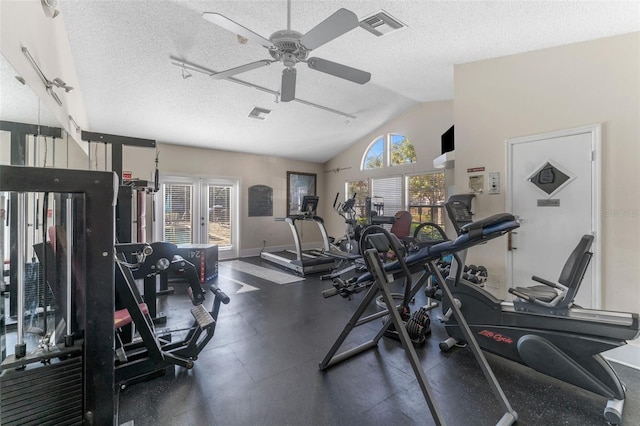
point(422, 125)
point(23, 24)
point(564, 87)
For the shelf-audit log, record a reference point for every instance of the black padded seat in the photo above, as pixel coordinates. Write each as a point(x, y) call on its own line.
point(562, 294)
point(539, 292)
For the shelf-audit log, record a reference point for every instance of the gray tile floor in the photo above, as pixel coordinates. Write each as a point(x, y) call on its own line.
point(261, 368)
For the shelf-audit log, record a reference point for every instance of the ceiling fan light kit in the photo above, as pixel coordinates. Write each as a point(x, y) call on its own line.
point(290, 47)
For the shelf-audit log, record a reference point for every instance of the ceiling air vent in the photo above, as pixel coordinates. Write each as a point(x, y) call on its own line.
point(381, 23)
point(259, 113)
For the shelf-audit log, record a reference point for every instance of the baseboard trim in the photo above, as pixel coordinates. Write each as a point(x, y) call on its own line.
point(627, 355)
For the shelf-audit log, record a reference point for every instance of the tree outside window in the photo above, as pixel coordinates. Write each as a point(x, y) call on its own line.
point(361, 189)
point(374, 157)
point(426, 197)
point(402, 151)
point(388, 150)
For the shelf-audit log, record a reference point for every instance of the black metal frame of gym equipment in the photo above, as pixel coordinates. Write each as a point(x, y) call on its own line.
point(150, 357)
point(96, 387)
point(19, 133)
point(564, 342)
point(117, 142)
point(124, 207)
point(303, 262)
point(375, 266)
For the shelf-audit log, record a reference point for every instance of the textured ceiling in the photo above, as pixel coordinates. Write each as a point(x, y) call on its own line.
point(121, 51)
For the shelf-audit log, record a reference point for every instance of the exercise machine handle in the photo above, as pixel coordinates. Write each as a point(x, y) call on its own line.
point(219, 294)
point(522, 295)
point(545, 282)
point(335, 200)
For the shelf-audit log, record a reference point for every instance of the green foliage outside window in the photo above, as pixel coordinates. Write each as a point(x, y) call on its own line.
point(392, 148)
point(426, 196)
point(361, 189)
point(375, 155)
point(402, 151)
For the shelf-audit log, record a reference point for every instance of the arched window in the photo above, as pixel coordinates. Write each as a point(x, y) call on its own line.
point(401, 151)
point(388, 150)
point(374, 156)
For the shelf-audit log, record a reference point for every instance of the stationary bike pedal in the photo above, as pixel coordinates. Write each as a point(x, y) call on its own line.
point(202, 317)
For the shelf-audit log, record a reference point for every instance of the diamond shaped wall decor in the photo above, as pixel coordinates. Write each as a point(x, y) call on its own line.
point(550, 178)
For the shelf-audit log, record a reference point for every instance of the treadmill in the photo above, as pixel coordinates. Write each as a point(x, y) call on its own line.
point(300, 261)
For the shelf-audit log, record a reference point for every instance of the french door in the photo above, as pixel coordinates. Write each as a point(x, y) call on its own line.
point(196, 210)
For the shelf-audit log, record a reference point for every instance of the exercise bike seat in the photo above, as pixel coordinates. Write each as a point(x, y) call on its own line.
point(562, 294)
point(538, 292)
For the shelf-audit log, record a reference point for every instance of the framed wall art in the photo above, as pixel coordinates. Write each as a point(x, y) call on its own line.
point(299, 185)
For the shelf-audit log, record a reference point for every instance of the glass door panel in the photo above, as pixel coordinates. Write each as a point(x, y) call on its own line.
point(178, 213)
point(219, 227)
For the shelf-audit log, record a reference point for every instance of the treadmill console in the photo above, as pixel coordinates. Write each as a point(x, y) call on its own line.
point(459, 210)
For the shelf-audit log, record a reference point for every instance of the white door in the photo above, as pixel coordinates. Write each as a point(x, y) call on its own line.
point(554, 192)
point(200, 211)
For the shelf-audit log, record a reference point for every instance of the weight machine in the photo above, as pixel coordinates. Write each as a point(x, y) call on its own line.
point(65, 376)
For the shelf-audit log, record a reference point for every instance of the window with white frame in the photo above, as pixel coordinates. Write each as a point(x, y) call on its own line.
point(374, 156)
point(387, 193)
point(388, 150)
point(423, 195)
point(199, 210)
point(359, 189)
point(426, 195)
point(401, 151)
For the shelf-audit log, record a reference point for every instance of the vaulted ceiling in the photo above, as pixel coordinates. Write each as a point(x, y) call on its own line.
point(123, 53)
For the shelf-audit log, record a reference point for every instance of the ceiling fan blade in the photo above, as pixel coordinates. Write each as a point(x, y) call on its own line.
point(340, 22)
point(234, 27)
point(339, 70)
point(242, 68)
point(288, 89)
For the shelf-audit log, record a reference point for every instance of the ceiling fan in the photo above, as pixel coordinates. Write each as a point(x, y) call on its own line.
point(290, 47)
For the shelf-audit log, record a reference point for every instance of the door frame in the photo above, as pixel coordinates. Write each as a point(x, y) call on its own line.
point(234, 200)
point(199, 195)
point(596, 190)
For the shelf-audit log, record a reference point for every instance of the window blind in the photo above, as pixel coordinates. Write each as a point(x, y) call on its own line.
point(390, 189)
point(178, 213)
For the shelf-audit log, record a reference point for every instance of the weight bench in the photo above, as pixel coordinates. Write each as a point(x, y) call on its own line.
point(153, 353)
point(121, 318)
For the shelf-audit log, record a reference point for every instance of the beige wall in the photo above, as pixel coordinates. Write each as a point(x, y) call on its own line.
point(536, 92)
point(553, 89)
point(422, 125)
point(250, 170)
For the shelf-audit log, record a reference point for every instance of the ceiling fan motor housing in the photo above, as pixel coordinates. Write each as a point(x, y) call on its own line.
point(288, 48)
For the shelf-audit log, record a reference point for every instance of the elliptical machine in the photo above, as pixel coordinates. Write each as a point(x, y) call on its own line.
point(543, 329)
point(348, 243)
